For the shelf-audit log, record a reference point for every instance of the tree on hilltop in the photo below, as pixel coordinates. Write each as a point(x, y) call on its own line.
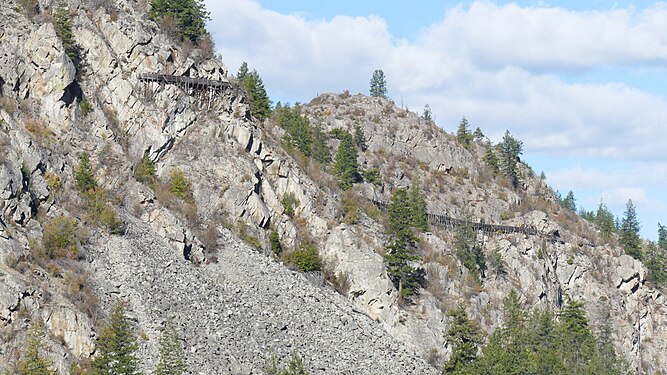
point(463, 134)
point(378, 84)
point(629, 232)
point(510, 149)
point(187, 17)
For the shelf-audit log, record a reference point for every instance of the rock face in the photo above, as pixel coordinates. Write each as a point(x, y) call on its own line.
point(233, 305)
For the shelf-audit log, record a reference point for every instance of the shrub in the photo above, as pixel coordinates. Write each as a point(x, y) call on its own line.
point(85, 107)
point(248, 238)
point(100, 212)
point(274, 239)
point(84, 177)
point(179, 185)
point(306, 258)
point(350, 209)
point(145, 171)
point(60, 238)
point(372, 176)
point(289, 203)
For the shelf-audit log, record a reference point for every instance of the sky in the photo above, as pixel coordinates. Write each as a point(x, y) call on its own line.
point(582, 83)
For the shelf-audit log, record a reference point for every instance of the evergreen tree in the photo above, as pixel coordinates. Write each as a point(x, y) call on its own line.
point(402, 246)
point(467, 247)
point(116, 346)
point(320, 149)
point(172, 355)
point(378, 84)
point(464, 335)
point(346, 168)
point(477, 135)
point(32, 361)
point(294, 367)
point(629, 232)
point(575, 341)
point(260, 104)
point(360, 138)
point(427, 114)
point(604, 220)
point(189, 17)
point(656, 262)
point(145, 171)
point(62, 23)
point(463, 134)
point(85, 179)
point(510, 149)
point(569, 202)
point(418, 205)
point(491, 159)
point(243, 73)
point(298, 131)
point(662, 236)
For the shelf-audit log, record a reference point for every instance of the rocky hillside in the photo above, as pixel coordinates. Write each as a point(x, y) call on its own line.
point(200, 255)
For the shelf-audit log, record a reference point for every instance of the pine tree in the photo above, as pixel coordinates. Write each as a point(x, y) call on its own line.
point(402, 246)
point(467, 247)
point(346, 168)
point(662, 236)
point(85, 179)
point(510, 149)
point(145, 171)
point(427, 114)
point(32, 361)
point(574, 338)
point(116, 346)
point(378, 84)
point(569, 202)
point(604, 220)
point(465, 337)
point(320, 149)
point(189, 16)
point(656, 262)
point(629, 232)
point(477, 135)
point(260, 104)
point(172, 355)
point(463, 134)
point(360, 138)
point(491, 159)
point(418, 205)
point(62, 23)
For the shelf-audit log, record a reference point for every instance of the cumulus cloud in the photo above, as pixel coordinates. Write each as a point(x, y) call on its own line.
point(547, 38)
point(496, 64)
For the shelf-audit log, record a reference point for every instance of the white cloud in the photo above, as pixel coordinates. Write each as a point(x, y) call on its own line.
point(498, 65)
point(544, 38)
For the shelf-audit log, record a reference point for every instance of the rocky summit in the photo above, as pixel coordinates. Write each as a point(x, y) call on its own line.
point(135, 171)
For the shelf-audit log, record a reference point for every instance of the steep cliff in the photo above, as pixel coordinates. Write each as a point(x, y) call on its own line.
point(184, 259)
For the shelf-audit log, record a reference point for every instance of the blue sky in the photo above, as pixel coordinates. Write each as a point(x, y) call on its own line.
point(583, 84)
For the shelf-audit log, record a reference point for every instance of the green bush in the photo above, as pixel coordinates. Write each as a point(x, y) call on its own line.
point(179, 185)
point(85, 107)
point(306, 258)
point(289, 203)
point(60, 238)
point(274, 239)
point(145, 171)
point(100, 212)
point(372, 176)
